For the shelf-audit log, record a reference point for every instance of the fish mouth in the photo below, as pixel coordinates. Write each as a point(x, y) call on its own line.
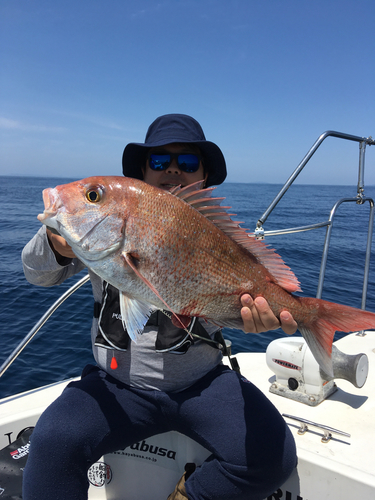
point(52, 204)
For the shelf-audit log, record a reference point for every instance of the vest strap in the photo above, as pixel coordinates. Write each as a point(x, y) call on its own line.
point(112, 335)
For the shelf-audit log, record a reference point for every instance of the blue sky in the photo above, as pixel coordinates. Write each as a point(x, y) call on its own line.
point(82, 78)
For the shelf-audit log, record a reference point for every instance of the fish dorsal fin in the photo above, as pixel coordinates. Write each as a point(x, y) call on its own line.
point(202, 200)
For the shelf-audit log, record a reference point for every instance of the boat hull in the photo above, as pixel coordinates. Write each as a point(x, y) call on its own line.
point(340, 468)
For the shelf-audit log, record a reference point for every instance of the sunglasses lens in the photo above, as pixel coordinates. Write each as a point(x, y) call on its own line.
point(188, 162)
point(159, 162)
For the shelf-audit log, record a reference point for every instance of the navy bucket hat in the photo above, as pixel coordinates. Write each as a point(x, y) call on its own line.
point(168, 129)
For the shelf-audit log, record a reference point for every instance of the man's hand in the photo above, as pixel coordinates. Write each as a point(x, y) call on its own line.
point(60, 247)
point(258, 317)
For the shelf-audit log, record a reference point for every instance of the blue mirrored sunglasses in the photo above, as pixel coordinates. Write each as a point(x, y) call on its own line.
point(187, 162)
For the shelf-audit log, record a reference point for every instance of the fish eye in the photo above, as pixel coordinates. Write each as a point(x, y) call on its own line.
point(94, 195)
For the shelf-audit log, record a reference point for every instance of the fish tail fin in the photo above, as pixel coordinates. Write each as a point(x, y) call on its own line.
point(331, 317)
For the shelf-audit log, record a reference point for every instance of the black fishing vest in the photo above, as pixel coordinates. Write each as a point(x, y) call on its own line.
point(170, 338)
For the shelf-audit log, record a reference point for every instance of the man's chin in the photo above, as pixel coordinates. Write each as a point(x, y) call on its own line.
point(168, 187)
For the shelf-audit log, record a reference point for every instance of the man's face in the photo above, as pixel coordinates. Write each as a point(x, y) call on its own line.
point(173, 175)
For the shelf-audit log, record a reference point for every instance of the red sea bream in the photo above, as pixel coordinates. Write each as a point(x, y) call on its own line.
point(181, 251)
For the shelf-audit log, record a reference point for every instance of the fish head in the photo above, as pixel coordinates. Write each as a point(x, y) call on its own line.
point(90, 214)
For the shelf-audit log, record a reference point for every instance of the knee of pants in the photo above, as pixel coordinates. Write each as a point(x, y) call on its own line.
point(268, 468)
point(215, 479)
point(54, 441)
point(277, 464)
point(64, 431)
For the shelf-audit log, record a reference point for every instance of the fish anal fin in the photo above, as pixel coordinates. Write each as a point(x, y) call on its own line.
point(182, 320)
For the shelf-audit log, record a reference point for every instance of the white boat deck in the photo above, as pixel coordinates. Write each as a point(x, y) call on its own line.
point(343, 468)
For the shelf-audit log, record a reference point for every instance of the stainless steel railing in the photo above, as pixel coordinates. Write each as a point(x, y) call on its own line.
point(21, 346)
point(360, 199)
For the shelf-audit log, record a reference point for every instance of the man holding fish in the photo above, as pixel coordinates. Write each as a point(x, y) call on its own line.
point(166, 379)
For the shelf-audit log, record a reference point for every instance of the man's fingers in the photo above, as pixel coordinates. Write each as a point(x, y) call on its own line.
point(258, 317)
point(59, 246)
point(250, 316)
point(288, 324)
point(266, 317)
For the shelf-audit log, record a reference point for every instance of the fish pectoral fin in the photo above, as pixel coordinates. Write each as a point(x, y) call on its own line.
point(134, 314)
point(129, 258)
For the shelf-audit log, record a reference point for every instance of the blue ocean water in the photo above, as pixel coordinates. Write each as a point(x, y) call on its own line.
point(62, 347)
